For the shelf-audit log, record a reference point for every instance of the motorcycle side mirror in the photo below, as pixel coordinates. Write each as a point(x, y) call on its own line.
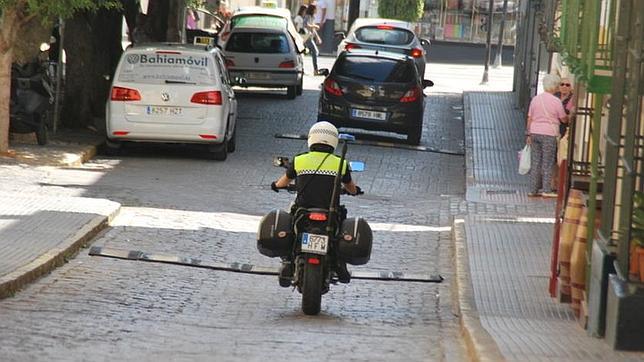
point(279, 161)
point(427, 83)
point(357, 166)
point(44, 47)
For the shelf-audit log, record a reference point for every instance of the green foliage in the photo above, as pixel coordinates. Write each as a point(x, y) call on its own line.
point(47, 10)
point(637, 223)
point(407, 10)
point(201, 4)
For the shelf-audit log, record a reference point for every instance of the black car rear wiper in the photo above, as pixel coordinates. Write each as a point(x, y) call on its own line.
point(358, 76)
point(167, 81)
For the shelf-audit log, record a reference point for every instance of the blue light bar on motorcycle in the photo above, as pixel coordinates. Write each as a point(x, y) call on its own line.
point(346, 137)
point(356, 166)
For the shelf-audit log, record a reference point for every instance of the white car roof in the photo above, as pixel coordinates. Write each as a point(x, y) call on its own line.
point(170, 46)
point(283, 12)
point(360, 22)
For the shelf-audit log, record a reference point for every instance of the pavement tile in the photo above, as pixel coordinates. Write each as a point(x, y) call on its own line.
point(508, 238)
point(37, 230)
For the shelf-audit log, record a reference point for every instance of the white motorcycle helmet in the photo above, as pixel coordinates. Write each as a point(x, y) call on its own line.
point(323, 133)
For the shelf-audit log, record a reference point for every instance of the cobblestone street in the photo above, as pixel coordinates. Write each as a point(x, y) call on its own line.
point(174, 201)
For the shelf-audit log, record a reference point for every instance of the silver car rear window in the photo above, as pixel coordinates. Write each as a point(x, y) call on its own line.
point(167, 67)
point(384, 35)
point(265, 43)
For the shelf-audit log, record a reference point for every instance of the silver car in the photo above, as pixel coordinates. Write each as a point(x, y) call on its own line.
point(264, 57)
point(389, 35)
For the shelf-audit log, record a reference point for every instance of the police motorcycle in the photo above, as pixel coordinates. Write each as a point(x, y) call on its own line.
point(315, 240)
point(32, 97)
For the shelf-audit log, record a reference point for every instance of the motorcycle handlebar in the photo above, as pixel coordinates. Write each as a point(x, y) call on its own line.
point(293, 188)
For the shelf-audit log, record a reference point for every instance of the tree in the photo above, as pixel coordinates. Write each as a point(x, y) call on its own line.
point(407, 10)
point(15, 19)
point(93, 48)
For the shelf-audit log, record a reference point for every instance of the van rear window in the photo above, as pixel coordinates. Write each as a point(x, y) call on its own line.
point(159, 67)
point(258, 43)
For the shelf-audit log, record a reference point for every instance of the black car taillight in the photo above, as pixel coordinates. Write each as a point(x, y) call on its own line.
point(332, 87)
point(411, 95)
point(416, 52)
point(349, 46)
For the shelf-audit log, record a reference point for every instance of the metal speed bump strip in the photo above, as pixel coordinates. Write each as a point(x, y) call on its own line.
point(380, 143)
point(247, 268)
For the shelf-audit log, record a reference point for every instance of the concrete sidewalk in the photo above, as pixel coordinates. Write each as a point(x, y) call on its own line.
point(503, 249)
point(38, 232)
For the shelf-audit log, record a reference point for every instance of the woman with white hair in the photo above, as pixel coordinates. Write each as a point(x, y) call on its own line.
point(544, 117)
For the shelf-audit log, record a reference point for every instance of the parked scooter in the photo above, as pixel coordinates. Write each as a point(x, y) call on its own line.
point(315, 239)
point(32, 99)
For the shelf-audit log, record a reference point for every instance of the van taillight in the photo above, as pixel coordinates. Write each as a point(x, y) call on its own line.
point(330, 86)
point(416, 53)
point(211, 97)
point(287, 64)
point(125, 94)
point(411, 95)
point(317, 216)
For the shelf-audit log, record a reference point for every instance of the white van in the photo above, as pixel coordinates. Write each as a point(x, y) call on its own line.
point(172, 93)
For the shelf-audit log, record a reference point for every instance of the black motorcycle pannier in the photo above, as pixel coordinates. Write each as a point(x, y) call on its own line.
point(275, 235)
point(354, 246)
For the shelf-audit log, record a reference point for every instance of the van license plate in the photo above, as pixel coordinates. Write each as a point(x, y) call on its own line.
point(163, 111)
point(361, 113)
point(314, 243)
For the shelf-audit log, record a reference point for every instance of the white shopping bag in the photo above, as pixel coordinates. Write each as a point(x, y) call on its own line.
point(524, 160)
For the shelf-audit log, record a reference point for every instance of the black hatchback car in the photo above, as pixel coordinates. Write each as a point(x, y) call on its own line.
point(374, 90)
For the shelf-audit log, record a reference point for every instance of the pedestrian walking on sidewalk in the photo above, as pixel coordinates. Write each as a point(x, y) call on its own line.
point(545, 114)
point(312, 28)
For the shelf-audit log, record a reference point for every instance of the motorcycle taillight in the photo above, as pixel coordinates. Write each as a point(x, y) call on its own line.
point(317, 216)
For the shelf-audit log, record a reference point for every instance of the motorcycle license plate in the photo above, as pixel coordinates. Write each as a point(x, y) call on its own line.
point(314, 243)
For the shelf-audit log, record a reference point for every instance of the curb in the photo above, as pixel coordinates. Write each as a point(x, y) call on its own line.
point(70, 156)
point(55, 257)
point(479, 343)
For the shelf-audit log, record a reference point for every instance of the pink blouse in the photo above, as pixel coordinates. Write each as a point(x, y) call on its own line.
point(545, 111)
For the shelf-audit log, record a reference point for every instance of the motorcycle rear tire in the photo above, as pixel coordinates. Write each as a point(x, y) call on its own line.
point(312, 288)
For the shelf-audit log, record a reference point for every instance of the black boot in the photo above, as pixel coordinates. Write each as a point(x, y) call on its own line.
point(343, 274)
point(285, 275)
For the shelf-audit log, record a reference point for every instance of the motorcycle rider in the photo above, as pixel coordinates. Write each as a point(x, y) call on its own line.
point(314, 174)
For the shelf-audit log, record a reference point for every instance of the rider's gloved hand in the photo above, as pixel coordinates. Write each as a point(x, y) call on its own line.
point(274, 187)
point(359, 191)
